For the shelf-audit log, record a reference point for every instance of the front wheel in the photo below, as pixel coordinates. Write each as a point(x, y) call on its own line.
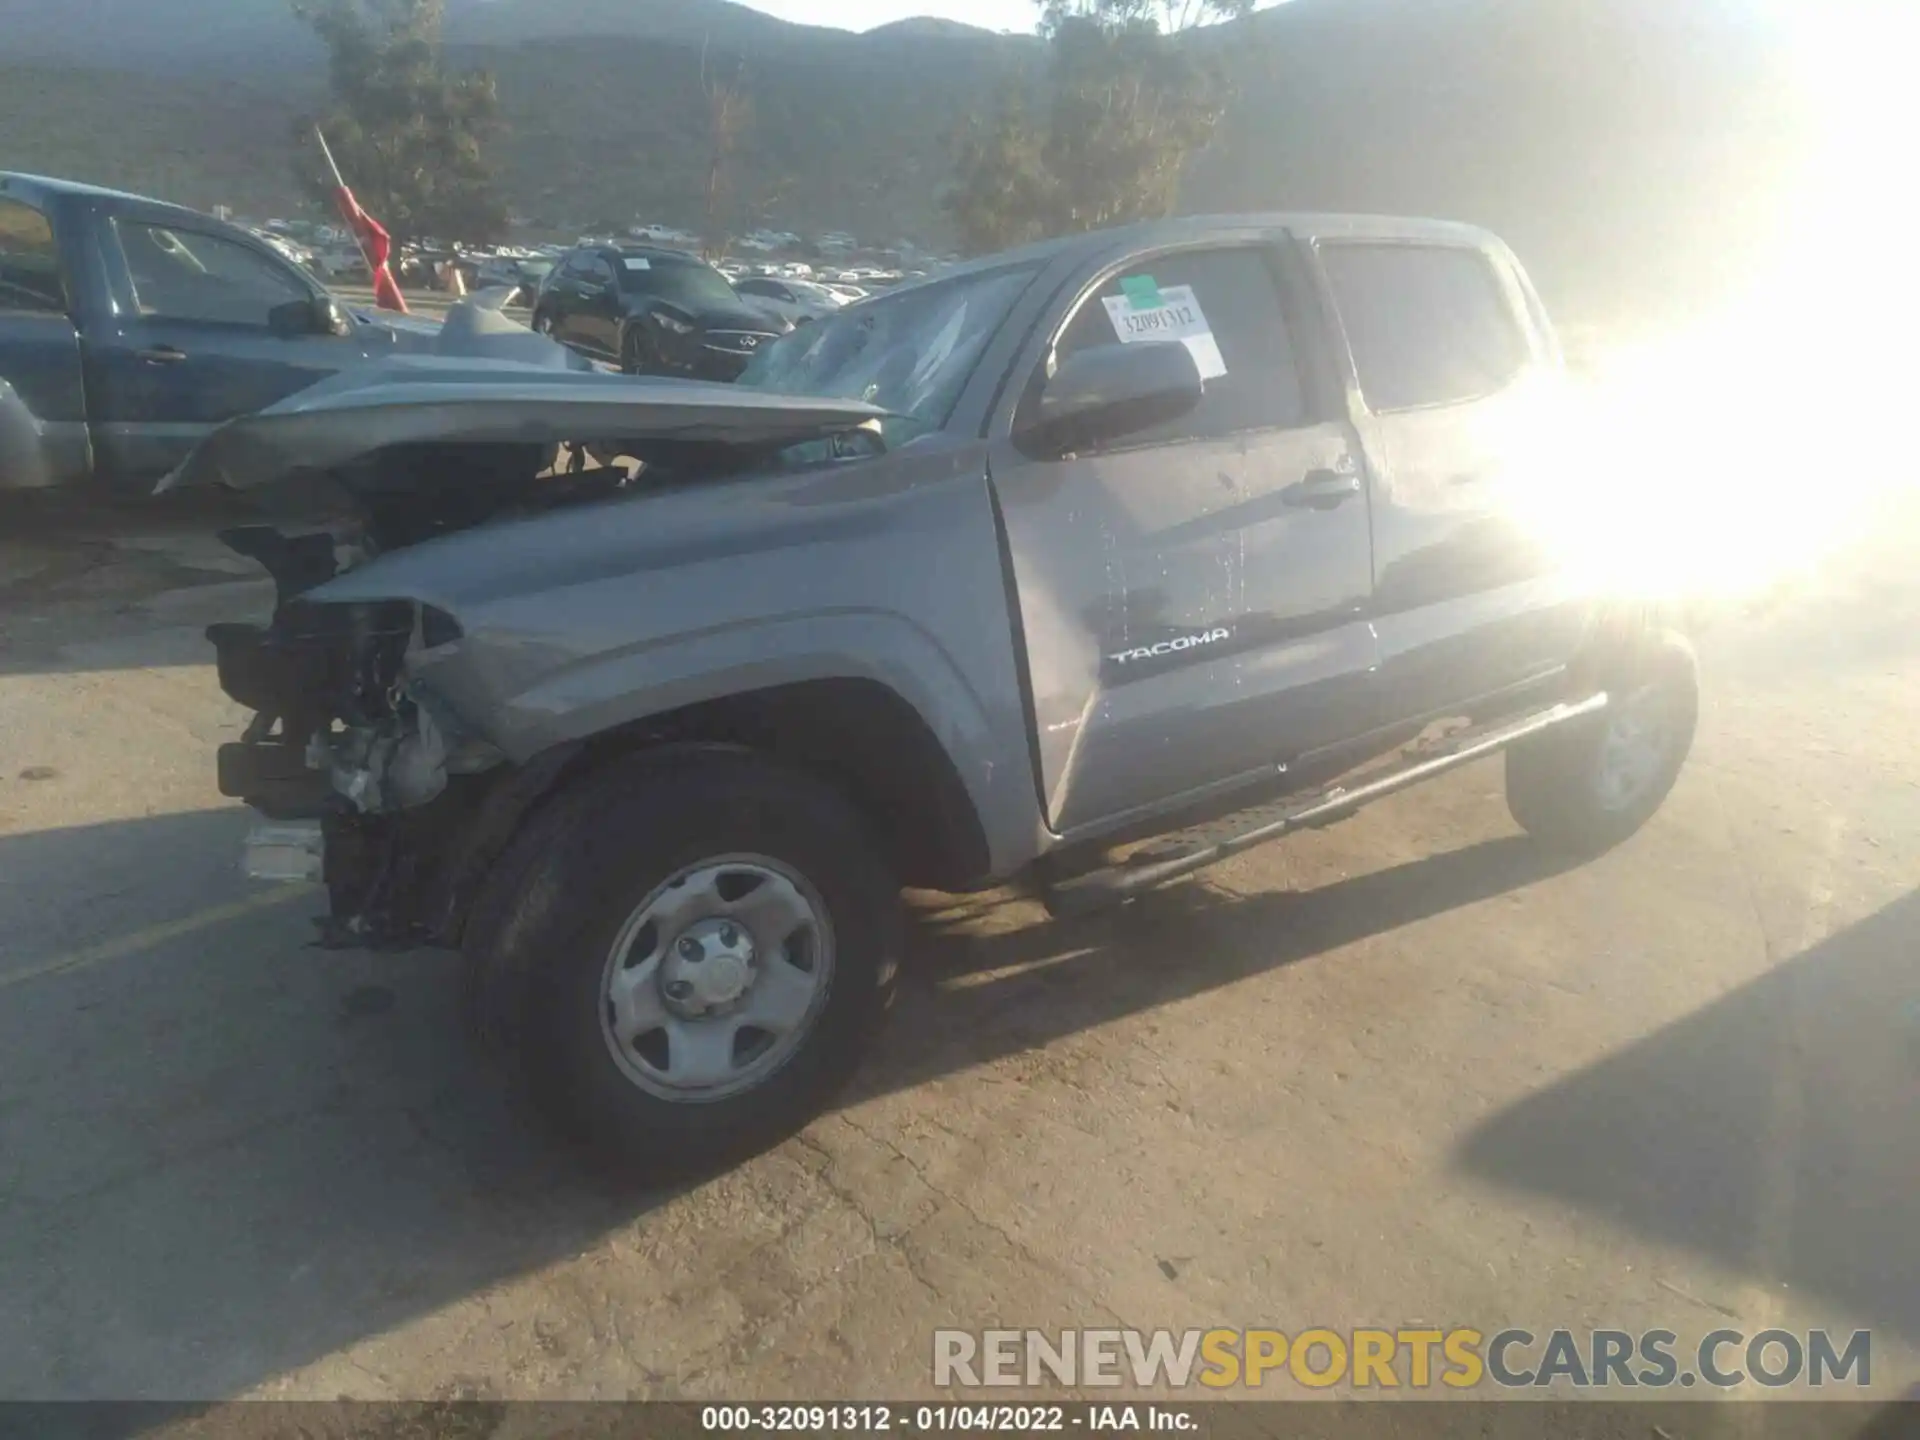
point(1591, 784)
point(636, 356)
point(690, 953)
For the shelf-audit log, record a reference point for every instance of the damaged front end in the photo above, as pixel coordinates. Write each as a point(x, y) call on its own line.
point(364, 778)
point(361, 779)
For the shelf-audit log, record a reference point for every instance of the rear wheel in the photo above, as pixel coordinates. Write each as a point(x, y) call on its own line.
point(1589, 785)
point(689, 954)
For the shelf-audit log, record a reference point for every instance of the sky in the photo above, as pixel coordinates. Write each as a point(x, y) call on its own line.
point(865, 14)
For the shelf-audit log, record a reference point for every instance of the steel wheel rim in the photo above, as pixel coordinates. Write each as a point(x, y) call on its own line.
point(716, 979)
point(1634, 749)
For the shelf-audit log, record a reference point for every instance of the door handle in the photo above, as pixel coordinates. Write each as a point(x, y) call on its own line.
point(160, 355)
point(1322, 490)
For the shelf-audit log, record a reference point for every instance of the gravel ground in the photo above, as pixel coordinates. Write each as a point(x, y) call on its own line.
point(1401, 1071)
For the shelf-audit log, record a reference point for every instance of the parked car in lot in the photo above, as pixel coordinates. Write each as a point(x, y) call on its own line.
point(129, 329)
point(1085, 566)
point(521, 274)
point(652, 311)
point(795, 301)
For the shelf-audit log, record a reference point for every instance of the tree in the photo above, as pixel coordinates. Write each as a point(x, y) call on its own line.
point(729, 120)
point(998, 197)
point(1129, 100)
point(409, 134)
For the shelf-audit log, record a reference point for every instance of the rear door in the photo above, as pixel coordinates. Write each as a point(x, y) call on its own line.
point(1192, 597)
point(191, 346)
point(1454, 390)
point(39, 356)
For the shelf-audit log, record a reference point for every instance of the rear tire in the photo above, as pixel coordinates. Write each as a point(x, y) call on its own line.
point(639, 855)
point(1587, 786)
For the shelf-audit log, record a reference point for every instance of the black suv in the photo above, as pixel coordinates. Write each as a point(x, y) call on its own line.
point(657, 312)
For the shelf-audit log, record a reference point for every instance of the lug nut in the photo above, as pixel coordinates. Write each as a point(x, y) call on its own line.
point(679, 990)
point(729, 936)
point(689, 948)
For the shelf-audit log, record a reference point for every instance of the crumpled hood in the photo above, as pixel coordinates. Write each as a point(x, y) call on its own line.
point(421, 399)
point(410, 332)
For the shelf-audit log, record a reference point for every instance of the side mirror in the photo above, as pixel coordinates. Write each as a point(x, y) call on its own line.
point(1105, 392)
point(332, 317)
point(320, 316)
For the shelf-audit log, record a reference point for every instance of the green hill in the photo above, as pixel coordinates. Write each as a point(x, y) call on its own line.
point(1630, 150)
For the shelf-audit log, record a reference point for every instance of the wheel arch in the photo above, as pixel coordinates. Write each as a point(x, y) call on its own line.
point(858, 735)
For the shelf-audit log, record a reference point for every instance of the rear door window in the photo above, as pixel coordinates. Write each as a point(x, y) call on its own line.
point(29, 263)
point(1425, 324)
point(1225, 306)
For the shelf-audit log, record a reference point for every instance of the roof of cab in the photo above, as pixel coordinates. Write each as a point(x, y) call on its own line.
point(39, 189)
point(1150, 233)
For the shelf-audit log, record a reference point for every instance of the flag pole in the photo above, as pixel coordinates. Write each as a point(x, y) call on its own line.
point(339, 183)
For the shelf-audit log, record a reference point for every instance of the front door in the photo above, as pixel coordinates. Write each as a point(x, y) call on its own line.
point(1193, 597)
point(194, 348)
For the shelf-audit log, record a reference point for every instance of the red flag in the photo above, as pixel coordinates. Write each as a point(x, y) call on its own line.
point(379, 248)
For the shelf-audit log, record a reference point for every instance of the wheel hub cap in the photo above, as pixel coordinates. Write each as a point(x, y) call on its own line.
point(1634, 749)
point(707, 969)
point(716, 978)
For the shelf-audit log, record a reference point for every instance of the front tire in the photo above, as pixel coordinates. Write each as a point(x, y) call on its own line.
point(688, 953)
point(1586, 787)
point(636, 357)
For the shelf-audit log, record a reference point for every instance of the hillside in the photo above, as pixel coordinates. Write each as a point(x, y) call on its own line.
point(1629, 149)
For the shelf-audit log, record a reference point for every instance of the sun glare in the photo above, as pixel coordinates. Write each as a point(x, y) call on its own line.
point(1742, 451)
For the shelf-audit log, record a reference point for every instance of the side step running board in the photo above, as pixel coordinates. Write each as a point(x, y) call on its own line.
point(1099, 889)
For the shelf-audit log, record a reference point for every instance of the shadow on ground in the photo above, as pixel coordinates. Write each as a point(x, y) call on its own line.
point(1773, 1130)
point(225, 1156)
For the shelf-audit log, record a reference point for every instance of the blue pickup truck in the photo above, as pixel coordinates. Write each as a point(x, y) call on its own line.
point(130, 329)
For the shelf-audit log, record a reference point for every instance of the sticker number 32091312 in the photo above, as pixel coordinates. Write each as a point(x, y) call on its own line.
point(1176, 316)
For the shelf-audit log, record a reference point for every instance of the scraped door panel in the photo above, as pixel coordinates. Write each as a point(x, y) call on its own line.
point(1191, 620)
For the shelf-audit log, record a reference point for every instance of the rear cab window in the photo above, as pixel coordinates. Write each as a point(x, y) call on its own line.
point(30, 275)
point(1426, 324)
point(1224, 305)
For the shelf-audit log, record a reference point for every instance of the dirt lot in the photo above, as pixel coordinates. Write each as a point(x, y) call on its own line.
point(1402, 1071)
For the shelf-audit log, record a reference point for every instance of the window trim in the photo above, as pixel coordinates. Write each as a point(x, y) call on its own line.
point(65, 306)
point(1268, 248)
point(259, 252)
point(1495, 267)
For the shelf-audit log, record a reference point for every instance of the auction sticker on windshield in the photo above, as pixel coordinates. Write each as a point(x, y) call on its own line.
point(637, 262)
point(1177, 316)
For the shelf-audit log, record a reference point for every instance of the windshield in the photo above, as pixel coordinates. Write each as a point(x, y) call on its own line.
point(909, 353)
point(685, 282)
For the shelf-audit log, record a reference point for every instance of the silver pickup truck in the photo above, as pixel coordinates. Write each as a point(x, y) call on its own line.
point(1082, 566)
